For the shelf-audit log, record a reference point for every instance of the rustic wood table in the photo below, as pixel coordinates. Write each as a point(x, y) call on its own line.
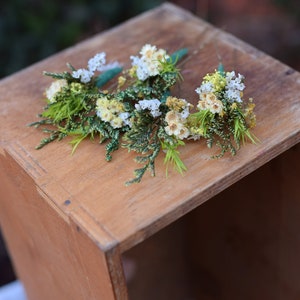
point(67, 219)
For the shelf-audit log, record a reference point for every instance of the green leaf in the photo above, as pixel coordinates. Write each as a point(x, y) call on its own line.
point(77, 140)
point(177, 55)
point(103, 78)
point(221, 69)
point(173, 156)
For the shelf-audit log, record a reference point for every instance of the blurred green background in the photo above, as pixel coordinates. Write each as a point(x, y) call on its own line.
point(32, 29)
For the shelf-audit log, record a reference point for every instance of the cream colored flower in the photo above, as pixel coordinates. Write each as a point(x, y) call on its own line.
point(171, 129)
point(209, 101)
point(201, 105)
point(182, 132)
point(55, 87)
point(149, 63)
point(172, 117)
point(216, 106)
point(160, 55)
point(105, 115)
point(148, 51)
point(176, 125)
point(116, 122)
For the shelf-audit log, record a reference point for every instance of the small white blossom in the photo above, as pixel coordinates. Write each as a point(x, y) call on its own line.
point(233, 95)
point(185, 113)
point(234, 82)
point(234, 87)
point(84, 75)
point(155, 113)
point(137, 107)
point(109, 66)
point(97, 62)
point(55, 87)
point(149, 64)
point(153, 68)
point(206, 87)
point(216, 107)
point(148, 51)
point(152, 105)
point(177, 129)
point(176, 125)
point(125, 117)
point(142, 70)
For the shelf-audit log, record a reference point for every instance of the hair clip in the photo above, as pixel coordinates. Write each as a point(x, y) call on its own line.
point(223, 117)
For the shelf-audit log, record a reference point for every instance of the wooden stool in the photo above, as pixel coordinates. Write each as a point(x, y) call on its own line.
point(68, 219)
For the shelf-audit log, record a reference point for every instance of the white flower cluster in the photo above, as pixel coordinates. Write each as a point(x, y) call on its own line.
point(149, 64)
point(96, 63)
point(125, 117)
point(152, 105)
point(234, 87)
point(205, 88)
point(55, 87)
point(186, 110)
point(84, 75)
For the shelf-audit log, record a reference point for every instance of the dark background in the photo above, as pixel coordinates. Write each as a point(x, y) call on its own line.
point(31, 30)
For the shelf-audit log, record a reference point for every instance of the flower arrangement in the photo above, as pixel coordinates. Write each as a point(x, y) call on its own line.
point(223, 118)
point(138, 112)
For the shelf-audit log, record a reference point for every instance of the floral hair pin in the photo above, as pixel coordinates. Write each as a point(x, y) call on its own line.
point(78, 107)
point(223, 118)
point(139, 113)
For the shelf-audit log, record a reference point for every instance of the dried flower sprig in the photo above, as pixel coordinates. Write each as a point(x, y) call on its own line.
point(223, 118)
point(71, 101)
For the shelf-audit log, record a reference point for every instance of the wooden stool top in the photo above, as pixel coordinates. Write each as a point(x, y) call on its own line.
point(91, 191)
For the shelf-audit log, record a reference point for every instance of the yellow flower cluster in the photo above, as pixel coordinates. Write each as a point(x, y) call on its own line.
point(176, 117)
point(110, 111)
point(176, 104)
point(210, 102)
point(196, 132)
point(249, 114)
point(76, 87)
point(121, 81)
point(217, 80)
